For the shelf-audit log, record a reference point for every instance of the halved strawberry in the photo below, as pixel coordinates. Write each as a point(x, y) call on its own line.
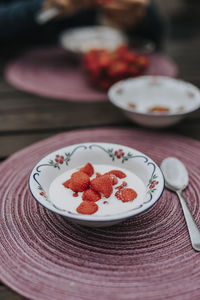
point(87, 208)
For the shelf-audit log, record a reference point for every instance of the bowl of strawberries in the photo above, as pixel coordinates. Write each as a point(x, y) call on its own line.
point(96, 184)
point(104, 67)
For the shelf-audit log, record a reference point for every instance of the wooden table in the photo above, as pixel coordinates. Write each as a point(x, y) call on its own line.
point(26, 118)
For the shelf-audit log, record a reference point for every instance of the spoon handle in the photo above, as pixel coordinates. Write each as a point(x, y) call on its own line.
point(194, 231)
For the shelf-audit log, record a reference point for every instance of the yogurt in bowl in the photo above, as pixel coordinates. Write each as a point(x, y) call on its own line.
point(141, 176)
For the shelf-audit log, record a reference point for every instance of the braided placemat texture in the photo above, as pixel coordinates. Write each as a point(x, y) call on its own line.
point(148, 257)
point(50, 72)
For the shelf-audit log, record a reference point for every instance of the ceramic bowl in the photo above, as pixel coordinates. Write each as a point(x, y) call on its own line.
point(56, 164)
point(78, 41)
point(155, 101)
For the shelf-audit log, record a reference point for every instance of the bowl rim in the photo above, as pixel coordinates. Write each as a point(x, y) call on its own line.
point(92, 218)
point(152, 114)
point(85, 28)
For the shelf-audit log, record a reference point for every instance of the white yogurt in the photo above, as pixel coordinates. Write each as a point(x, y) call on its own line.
point(63, 197)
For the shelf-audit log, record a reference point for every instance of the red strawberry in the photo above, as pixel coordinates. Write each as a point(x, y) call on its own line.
point(91, 195)
point(130, 57)
point(103, 184)
point(104, 60)
point(126, 195)
point(88, 169)
point(142, 61)
point(104, 84)
point(67, 184)
point(117, 68)
point(117, 173)
point(87, 208)
point(120, 187)
point(121, 50)
point(79, 181)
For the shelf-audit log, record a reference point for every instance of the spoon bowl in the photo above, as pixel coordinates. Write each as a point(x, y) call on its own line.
point(176, 175)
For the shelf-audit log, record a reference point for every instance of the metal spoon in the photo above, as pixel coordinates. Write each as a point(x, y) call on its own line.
point(176, 180)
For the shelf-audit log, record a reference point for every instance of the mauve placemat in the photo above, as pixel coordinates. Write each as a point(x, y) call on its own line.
point(149, 257)
point(50, 72)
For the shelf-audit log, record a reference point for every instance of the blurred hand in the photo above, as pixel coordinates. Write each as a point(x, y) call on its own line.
point(124, 13)
point(68, 7)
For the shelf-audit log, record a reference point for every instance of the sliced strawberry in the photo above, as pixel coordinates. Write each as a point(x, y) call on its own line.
point(128, 195)
point(120, 187)
point(87, 208)
point(91, 195)
point(79, 181)
point(117, 173)
point(103, 185)
point(88, 169)
point(118, 195)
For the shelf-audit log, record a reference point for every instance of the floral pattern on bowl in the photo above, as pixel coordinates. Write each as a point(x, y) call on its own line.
point(155, 101)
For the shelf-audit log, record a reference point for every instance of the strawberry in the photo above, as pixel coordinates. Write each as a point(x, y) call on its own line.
point(130, 57)
point(126, 195)
point(104, 60)
point(104, 84)
point(87, 208)
point(117, 68)
point(91, 195)
point(103, 185)
point(79, 181)
point(121, 51)
point(117, 173)
point(67, 184)
point(120, 187)
point(88, 169)
point(142, 61)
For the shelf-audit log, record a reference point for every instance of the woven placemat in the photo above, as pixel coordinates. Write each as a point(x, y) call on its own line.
point(50, 72)
point(148, 257)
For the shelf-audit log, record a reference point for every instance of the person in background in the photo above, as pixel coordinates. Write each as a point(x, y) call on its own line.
point(138, 18)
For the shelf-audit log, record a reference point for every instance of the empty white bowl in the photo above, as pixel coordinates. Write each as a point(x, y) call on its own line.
point(140, 97)
point(80, 40)
point(47, 176)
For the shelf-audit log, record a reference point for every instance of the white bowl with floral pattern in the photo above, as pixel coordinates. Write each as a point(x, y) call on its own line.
point(155, 101)
point(143, 174)
point(81, 40)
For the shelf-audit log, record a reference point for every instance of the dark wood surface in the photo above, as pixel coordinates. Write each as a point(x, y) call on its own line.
point(26, 118)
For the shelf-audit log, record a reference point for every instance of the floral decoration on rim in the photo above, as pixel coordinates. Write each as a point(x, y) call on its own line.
point(60, 159)
point(152, 183)
point(119, 154)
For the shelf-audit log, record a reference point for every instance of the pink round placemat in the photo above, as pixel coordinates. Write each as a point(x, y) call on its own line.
point(50, 72)
point(148, 257)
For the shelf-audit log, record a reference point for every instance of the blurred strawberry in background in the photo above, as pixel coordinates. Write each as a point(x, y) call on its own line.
point(104, 67)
